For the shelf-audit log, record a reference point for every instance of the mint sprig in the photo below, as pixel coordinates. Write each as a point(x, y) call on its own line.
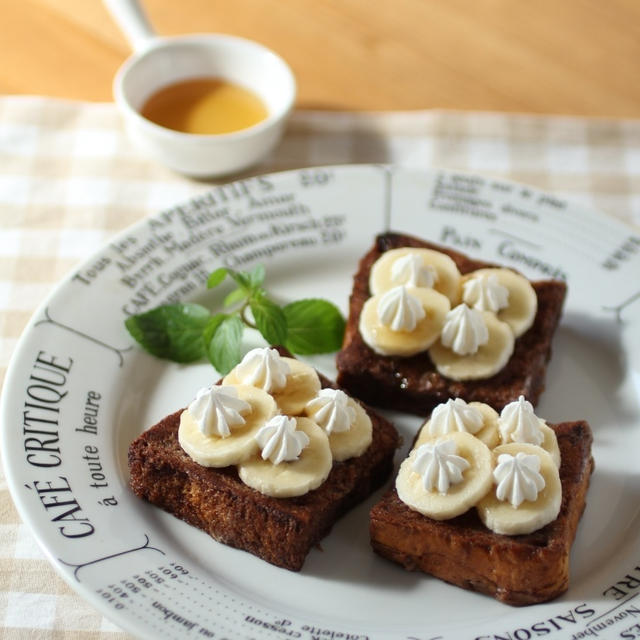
point(190, 332)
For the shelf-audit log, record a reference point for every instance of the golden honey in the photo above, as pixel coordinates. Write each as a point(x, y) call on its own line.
point(204, 106)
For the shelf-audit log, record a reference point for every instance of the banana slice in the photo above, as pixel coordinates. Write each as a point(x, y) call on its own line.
point(522, 301)
point(485, 362)
point(437, 268)
point(460, 497)
point(386, 341)
point(216, 451)
point(295, 478)
point(487, 433)
point(302, 384)
point(502, 517)
point(354, 441)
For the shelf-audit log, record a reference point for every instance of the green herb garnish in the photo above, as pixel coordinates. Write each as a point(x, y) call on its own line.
point(189, 332)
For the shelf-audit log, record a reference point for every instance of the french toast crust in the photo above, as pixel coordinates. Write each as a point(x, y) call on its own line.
point(278, 530)
point(412, 384)
point(517, 570)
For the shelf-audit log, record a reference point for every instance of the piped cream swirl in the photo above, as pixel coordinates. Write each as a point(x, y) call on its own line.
point(217, 409)
point(464, 330)
point(263, 368)
point(519, 423)
point(439, 465)
point(455, 415)
point(400, 310)
point(280, 441)
point(331, 410)
point(518, 478)
point(485, 293)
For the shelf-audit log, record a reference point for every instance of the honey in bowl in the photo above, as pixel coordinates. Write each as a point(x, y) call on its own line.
point(204, 106)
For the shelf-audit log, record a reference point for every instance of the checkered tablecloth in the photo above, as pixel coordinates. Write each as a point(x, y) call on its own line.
point(70, 180)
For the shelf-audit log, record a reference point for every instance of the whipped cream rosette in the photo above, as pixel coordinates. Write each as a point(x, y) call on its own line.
point(455, 414)
point(295, 458)
point(473, 344)
point(403, 320)
point(344, 420)
point(291, 382)
point(504, 292)
point(416, 267)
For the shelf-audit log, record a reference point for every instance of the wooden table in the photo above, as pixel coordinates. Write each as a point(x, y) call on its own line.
point(578, 57)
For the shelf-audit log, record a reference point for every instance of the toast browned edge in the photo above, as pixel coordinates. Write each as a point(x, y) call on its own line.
point(517, 570)
point(412, 384)
point(278, 530)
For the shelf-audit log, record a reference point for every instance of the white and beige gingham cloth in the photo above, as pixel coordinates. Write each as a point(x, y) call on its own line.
point(70, 180)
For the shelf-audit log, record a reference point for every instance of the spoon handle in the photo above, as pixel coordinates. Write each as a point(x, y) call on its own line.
point(132, 20)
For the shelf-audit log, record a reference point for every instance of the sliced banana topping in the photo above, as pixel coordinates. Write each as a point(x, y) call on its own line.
point(295, 477)
point(421, 476)
point(344, 420)
point(301, 382)
point(386, 340)
point(527, 494)
point(422, 266)
point(214, 450)
point(476, 418)
point(490, 357)
point(522, 302)
point(519, 423)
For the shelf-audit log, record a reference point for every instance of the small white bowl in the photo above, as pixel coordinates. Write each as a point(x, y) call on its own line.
point(158, 62)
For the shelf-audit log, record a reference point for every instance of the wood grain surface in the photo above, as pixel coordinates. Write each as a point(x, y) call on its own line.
point(576, 57)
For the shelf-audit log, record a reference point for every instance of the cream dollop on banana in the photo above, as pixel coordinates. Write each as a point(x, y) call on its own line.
point(519, 423)
point(462, 466)
point(417, 267)
point(527, 494)
point(455, 414)
point(404, 320)
point(474, 345)
point(344, 420)
point(495, 286)
point(290, 381)
point(410, 269)
point(280, 441)
point(264, 368)
point(298, 475)
point(485, 293)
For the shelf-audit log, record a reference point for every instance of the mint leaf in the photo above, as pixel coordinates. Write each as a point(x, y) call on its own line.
point(313, 326)
point(250, 281)
point(173, 332)
point(256, 277)
point(237, 295)
point(269, 318)
point(223, 342)
point(216, 277)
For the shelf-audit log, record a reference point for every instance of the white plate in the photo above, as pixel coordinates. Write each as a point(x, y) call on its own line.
point(78, 391)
